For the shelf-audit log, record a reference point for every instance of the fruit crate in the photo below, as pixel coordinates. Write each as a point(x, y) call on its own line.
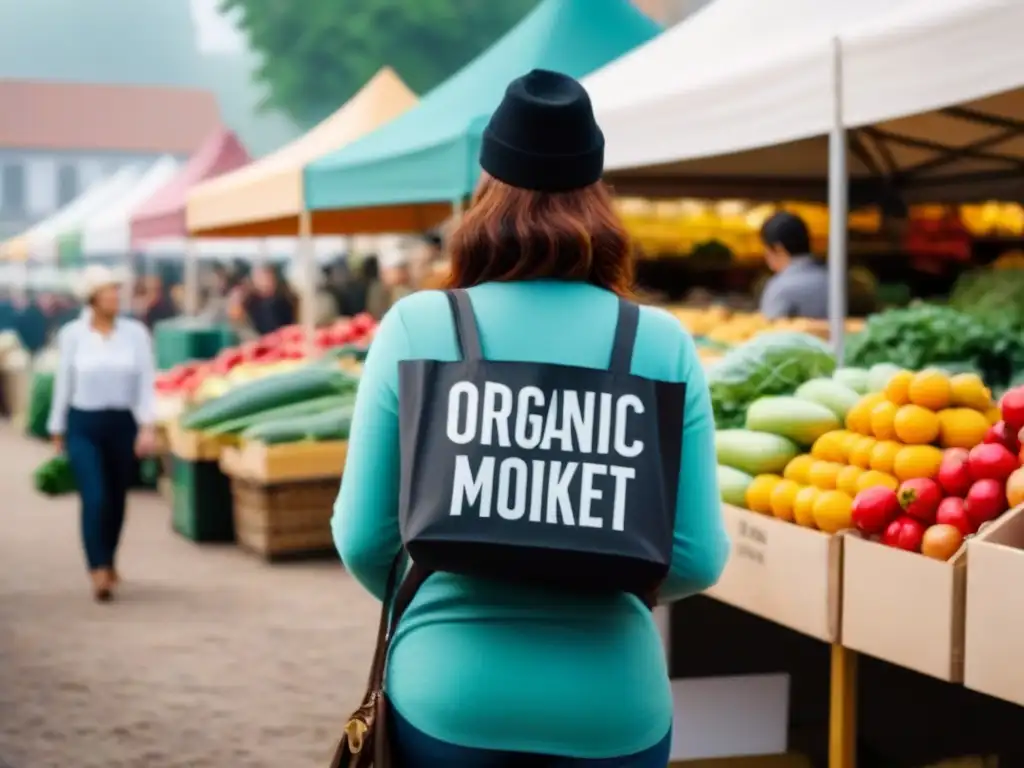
point(201, 506)
point(284, 521)
point(782, 572)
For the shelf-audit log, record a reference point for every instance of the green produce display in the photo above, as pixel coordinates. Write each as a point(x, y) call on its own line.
point(40, 396)
point(54, 477)
point(993, 296)
point(879, 375)
point(274, 391)
point(835, 396)
point(853, 378)
point(733, 485)
point(925, 336)
point(291, 410)
point(321, 427)
point(769, 364)
point(802, 421)
point(754, 453)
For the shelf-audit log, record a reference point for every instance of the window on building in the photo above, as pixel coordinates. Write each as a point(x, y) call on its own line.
point(12, 181)
point(67, 184)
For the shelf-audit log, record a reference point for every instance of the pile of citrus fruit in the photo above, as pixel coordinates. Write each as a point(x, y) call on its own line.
point(889, 437)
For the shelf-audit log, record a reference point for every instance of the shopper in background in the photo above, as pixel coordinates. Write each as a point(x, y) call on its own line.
point(269, 305)
point(498, 674)
point(799, 287)
point(102, 415)
point(157, 304)
point(376, 294)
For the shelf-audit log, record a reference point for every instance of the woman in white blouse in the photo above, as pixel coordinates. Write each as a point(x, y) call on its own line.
point(102, 415)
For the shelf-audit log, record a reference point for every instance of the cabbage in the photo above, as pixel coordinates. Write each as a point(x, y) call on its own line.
point(768, 364)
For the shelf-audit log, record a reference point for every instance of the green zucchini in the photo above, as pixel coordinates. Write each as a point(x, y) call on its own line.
point(271, 392)
point(291, 410)
point(332, 425)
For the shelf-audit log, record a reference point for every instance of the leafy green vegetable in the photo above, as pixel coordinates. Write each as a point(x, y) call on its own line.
point(54, 477)
point(769, 364)
point(927, 335)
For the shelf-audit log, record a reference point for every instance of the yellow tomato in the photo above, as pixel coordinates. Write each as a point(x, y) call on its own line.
point(883, 455)
point(915, 425)
point(930, 389)
point(882, 417)
point(896, 390)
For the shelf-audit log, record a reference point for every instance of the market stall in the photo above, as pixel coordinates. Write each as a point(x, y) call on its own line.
point(258, 438)
point(108, 232)
point(161, 218)
point(408, 175)
point(266, 198)
point(40, 243)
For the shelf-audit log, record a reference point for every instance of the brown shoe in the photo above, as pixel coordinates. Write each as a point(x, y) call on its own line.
point(101, 585)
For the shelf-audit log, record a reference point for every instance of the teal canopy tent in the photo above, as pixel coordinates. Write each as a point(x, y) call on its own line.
point(406, 175)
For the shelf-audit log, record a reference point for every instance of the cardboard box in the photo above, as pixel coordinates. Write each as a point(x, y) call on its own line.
point(905, 608)
point(782, 572)
point(994, 633)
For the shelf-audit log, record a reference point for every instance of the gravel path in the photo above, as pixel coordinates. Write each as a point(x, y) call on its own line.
point(207, 658)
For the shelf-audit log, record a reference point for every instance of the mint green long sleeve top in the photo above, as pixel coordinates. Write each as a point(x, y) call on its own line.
point(511, 667)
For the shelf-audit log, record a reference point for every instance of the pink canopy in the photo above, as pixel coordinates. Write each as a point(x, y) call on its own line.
point(163, 215)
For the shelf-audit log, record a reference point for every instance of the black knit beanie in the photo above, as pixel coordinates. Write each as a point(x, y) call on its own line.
point(543, 135)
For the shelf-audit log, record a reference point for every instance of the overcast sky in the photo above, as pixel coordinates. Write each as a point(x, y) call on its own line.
point(217, 34)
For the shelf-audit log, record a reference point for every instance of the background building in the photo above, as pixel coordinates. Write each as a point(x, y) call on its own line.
point(87, 87)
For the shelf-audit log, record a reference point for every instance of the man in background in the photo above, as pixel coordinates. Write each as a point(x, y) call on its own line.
point(799, 287)
point(269, 305)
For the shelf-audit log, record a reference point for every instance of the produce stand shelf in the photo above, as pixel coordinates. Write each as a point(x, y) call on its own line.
point(950, 622)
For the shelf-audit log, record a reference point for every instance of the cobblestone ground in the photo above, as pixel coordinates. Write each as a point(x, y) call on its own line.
point(207, 658)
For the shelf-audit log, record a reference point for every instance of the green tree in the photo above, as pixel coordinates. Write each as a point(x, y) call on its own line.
point(317, 53)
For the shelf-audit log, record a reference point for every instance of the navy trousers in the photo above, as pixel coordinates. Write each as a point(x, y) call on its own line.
point(101, 450)
point(414, 749)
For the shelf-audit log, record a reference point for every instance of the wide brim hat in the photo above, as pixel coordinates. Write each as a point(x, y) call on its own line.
point(96, 277)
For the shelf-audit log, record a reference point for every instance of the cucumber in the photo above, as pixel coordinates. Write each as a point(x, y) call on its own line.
point(271, 392)
point(333, 425)
point(291, 410)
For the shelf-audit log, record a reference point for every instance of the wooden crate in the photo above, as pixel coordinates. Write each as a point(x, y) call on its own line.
point(191, 445)
point(285, 520)
point(287, 463)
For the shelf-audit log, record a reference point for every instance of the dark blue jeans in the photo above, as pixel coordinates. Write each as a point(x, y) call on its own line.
point(414, 749)
point(101, 449)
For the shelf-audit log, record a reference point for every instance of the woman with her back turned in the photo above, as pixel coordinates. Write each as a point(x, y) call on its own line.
point(102, 416)
point(493, 674)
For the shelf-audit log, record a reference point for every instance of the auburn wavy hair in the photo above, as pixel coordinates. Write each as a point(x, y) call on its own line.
point(511, 234)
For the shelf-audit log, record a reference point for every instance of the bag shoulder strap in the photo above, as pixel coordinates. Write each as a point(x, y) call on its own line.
point(467, 332)
point(398, 595)
point(625, 337)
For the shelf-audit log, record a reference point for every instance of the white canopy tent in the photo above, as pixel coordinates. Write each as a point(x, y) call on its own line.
point(755, 99)
point(738, 100)
point(41, 241)
point(256, 249)
point(108, 232)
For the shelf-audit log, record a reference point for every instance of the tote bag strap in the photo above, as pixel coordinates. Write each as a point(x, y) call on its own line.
point(625, 338)
point(467, 333)
point(397, 598)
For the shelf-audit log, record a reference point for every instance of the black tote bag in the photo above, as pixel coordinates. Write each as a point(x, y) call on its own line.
point(529, 472)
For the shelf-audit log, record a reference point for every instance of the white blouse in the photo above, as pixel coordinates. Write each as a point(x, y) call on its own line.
point(97, 372)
